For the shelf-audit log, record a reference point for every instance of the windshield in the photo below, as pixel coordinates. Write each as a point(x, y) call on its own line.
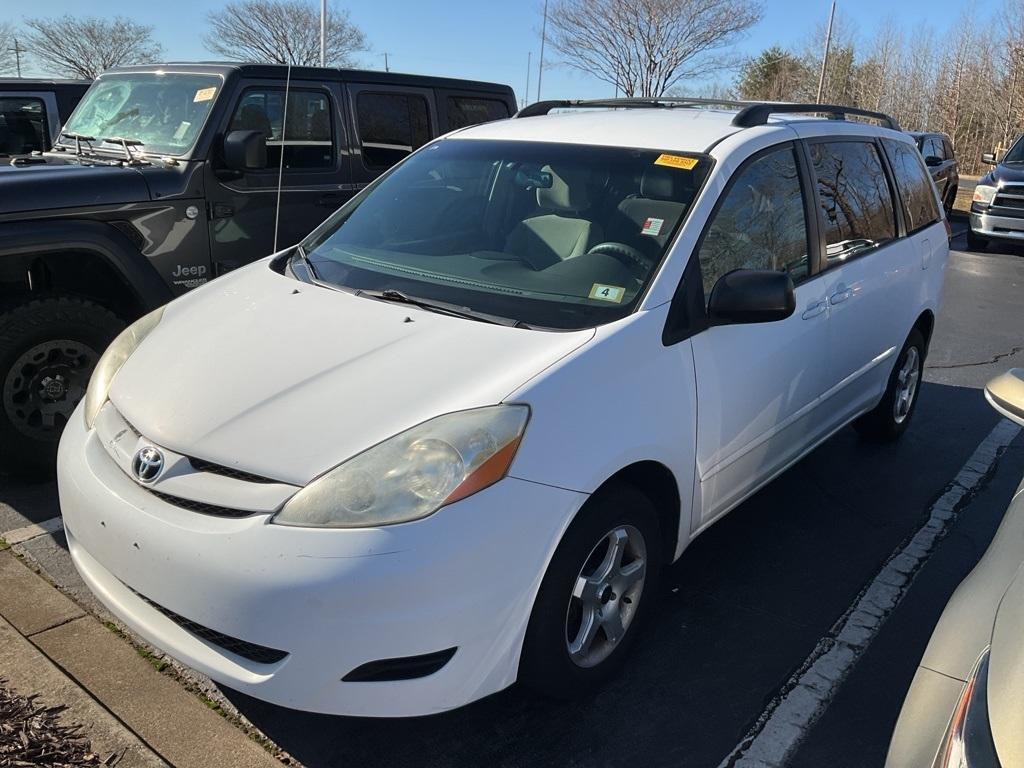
point(163, 111)
point(552, 235)
point(1016, 152)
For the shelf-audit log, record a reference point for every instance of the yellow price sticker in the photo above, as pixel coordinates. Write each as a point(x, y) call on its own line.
point(204, 94)
point(677, 161)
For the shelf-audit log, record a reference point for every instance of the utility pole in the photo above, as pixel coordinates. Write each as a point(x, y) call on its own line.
point(526, 97)
point(543, 35)
point(323, 33)
point(824, 59)
point(18, 50)
point(386, 63)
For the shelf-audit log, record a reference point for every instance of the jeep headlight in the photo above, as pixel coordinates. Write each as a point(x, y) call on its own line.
point(985, 194)
point(414, 473)
point(110, 363)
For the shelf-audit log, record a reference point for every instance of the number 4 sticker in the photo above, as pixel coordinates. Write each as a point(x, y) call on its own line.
point(611, 293)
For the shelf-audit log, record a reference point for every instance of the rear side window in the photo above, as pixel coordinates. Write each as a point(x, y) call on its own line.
point(919, 204)
point(468, 110)
point(307, 142)
point(760, 223)
point(391, 126)
point(855, 200)
point(22, 125)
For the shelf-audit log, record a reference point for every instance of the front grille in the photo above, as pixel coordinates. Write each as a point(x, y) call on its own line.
point(201, 465)
point(201, 506)
point(260, 654)
point(1010, 197)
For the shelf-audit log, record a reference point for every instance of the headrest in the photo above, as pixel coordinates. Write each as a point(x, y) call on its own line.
point(568, 190)
point(664, 184)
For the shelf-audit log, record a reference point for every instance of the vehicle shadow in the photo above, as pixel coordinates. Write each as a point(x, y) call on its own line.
point(738, 614)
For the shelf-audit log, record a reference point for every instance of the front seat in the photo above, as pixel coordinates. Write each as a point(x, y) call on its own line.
point(560, 232)
point(652, 217)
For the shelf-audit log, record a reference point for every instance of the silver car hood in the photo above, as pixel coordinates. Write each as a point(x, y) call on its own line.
point(1006, 674)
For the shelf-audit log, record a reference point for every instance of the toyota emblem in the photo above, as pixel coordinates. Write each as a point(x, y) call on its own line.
point(147, 464)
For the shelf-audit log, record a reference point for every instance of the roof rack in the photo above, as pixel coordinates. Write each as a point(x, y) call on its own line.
point(750, 113)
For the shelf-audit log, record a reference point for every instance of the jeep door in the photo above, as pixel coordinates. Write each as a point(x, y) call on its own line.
point(758, 384)
point(314, 170)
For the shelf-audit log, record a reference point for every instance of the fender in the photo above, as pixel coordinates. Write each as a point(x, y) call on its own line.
point(26, 238)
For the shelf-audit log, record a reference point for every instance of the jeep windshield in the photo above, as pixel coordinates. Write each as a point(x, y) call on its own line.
point(551, 235)
point(163, 111)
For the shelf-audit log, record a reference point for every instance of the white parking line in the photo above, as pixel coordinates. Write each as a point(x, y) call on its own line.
point(786, 720)
point(21, 535)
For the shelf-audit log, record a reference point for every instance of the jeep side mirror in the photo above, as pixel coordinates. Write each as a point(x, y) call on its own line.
point(751, 296)
point(989, 158)
point(1005, 393)
point(245, 150)
point(931, 161)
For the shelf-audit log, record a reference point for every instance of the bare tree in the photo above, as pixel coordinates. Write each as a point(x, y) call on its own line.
point(85, 47)
point(7, 62)
point(282, 32)
point(644, 47)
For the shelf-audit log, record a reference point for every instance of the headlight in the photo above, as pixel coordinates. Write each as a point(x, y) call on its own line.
point(414, 473)
point(110, 363)
point(985, 194)
point(968, 742)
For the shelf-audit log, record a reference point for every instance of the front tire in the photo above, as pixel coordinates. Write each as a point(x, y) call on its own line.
point(595, 595)
point(48, 349)
point(891, 417)
point(975, 242)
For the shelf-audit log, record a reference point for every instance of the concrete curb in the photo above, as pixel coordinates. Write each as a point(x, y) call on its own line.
point(160, 720)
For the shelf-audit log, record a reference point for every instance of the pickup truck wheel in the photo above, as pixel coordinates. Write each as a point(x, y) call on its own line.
point(598, 589)
point(891, 417)
point(48, 349)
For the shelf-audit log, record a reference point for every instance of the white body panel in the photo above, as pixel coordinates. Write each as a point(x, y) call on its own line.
point(286, 380)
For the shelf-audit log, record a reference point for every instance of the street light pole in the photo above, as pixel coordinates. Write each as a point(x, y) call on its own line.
point(529, 58)
point(543, 35)
point(323, 33)
point(824, 58)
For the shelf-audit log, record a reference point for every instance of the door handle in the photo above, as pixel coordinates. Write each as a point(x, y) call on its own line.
point(840, 296)
point(329, 200)
point(815, 309)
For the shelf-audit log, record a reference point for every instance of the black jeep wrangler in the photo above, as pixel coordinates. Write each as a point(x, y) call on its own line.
point(166, 176)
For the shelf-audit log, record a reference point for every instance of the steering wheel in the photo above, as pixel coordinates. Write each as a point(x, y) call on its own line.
point(627, 254)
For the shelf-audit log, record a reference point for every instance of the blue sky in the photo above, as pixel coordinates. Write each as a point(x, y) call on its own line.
point(489, 40)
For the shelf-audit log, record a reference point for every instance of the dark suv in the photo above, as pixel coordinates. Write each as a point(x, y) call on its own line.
point(33, 111)
point(997, 210)
point(166, 176)
point(938, 156)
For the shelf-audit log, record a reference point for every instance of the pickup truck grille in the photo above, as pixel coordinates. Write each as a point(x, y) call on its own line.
point(1011, 199)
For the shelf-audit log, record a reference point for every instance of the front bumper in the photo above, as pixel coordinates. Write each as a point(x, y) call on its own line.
point(923, 719)
point(997, 227)
point(332, 599)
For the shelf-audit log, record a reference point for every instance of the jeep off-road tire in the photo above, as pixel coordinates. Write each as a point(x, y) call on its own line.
point(48, 349)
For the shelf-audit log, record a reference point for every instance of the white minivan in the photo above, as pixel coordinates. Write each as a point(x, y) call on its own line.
point(450, 440)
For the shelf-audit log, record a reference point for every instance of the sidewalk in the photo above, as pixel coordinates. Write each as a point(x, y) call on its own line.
point(51, 647)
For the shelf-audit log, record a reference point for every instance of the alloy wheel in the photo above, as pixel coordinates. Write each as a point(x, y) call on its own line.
point(906, 385)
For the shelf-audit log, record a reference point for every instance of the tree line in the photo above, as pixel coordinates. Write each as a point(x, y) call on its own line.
point(966, 81)
point(271, 31)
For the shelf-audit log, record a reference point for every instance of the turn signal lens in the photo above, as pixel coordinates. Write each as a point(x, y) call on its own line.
point(985, 194)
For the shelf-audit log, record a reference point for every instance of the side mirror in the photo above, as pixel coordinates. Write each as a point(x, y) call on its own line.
point(931, 161)
point(245, 150)
point(751, 296)
point(989, 158)
point(1005, 393)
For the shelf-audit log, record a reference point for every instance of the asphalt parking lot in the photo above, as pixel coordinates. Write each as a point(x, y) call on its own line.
point(748, 603)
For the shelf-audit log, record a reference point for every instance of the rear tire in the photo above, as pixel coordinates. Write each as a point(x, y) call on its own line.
point(557, 659)
point(48, 349)
point(891, 417)
point(975, 242)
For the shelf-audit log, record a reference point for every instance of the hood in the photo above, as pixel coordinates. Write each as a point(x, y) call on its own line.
point(61, 182)
point(287, 380)
point(1006, 675)
point(1004, 173)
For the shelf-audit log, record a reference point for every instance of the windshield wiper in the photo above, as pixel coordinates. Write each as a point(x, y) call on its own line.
point(441, 307)
point(301, 253)
point(79, 138)
point(126, 144)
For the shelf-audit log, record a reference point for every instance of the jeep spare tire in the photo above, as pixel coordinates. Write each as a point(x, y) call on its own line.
point(48, 349)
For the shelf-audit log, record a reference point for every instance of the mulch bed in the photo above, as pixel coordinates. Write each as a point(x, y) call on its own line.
point(32, 735)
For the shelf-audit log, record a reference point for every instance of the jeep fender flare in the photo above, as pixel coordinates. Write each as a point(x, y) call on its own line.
point(26, 238)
